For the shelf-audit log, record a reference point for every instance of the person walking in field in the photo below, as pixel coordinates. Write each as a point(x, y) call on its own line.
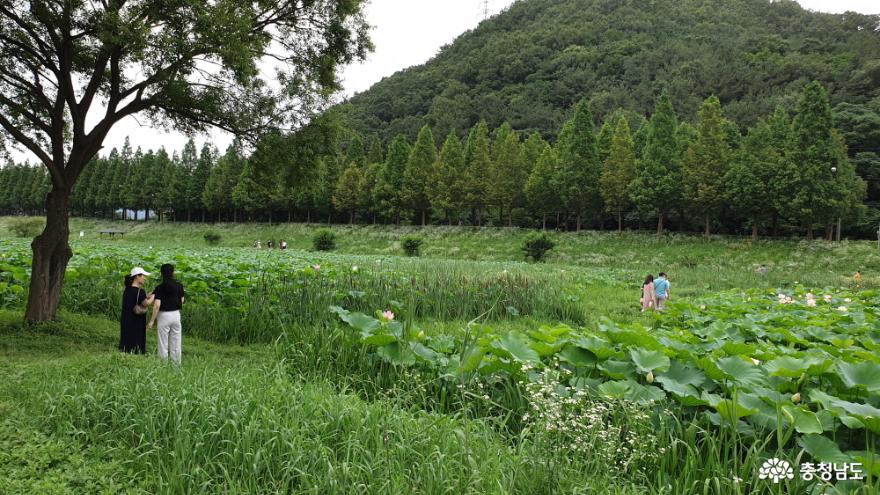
point(661, 291)
point(133, 321)
point(166, 309)
point(648, 300)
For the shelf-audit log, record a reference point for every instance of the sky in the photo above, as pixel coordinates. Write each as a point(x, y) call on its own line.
point(405, 33)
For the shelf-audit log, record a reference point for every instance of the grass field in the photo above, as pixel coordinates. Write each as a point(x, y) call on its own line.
point(495, 376)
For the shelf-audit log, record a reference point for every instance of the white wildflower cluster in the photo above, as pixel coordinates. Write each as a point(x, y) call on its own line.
point(619, 432)
point(810, 300)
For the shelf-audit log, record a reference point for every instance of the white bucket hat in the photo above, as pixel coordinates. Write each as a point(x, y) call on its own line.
point(139, 271)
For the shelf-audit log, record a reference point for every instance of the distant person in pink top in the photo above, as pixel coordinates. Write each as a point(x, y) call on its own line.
point(649, 301)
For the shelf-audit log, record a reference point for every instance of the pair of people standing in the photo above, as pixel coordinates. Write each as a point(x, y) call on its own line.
point(166, 300)
point(655, 292)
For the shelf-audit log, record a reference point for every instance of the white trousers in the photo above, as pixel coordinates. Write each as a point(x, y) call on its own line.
point(170, 335)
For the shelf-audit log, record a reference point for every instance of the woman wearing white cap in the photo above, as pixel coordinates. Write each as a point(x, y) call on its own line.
point(133, 322)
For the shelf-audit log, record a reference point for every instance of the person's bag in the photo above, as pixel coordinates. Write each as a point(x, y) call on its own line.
point(138, 309)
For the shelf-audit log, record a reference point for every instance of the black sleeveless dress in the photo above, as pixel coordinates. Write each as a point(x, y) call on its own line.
point(132, 327)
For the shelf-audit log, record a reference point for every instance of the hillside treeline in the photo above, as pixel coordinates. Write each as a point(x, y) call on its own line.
point(534, 61)
point(787, 174)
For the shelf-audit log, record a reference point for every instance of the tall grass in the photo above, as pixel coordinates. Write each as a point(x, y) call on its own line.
point(208, 430)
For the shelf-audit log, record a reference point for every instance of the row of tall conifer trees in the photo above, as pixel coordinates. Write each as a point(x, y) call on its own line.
point(783, 170)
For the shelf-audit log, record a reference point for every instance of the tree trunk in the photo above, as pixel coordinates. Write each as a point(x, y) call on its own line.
point(619, 221)
point(270, 217)
point(557, 220)
point(660, 224)
point(775, 227)
point(510, 217)
point(289, 215)
point(308, 216)
point(544, 221)
point(578, 228)
point(755, 229)
point(51, 254)
point(351, 218)
point(837, 237)
point(706, 221)
point(424, 212)
point(810, 231)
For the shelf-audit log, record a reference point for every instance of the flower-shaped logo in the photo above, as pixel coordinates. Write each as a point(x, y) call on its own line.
point(776, 469)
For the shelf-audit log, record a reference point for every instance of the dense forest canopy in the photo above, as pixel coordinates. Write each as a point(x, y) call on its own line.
point(530, 64)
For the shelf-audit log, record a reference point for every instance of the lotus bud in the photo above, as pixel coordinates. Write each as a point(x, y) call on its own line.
point(796, 397)
point(650, 377)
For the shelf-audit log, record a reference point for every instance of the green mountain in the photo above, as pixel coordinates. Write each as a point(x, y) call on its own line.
point(531, 63)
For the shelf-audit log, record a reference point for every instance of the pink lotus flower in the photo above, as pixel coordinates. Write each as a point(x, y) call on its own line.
point(316, 267)
point(388, 315)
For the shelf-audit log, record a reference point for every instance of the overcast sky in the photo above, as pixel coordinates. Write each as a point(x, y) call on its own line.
point(405, 33)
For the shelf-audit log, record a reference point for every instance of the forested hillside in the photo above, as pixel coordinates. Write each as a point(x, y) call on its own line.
point(530, 64)
point(734, 116)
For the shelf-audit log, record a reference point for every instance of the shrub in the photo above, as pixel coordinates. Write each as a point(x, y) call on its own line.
point(411, 245)
point(536, 246)
point(26, 227)
point(212, 238)
point(324, 240)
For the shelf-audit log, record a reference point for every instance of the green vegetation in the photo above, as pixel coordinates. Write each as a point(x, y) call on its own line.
point(26, 227)
point(536, 246)
point(424, 365)
point(411, 245)
point(324, 240)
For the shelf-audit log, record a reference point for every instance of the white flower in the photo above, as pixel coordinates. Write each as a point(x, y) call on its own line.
point(827, 297)
point(811, 303)
point(702, 307)
point(842, 309)
point(847, 300)
point(354, 268)
point(755, 361)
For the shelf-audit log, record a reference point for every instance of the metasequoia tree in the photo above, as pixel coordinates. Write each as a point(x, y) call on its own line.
point(71, 69)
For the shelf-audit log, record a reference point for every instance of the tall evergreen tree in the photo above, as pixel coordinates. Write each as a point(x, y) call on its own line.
point(656, 187)
point(508, 175)
point(579, 168)
point(533, 147)
point(605, 138)
point(376, 154)
point(706, 162)
point(447, 197)
point(347, 196)
point(388, 194)
point(198, 180)
point(541, 188)
point(619, 171)
point(815, 150)
point(475, 179)
point(417, 177)
point(750, 182)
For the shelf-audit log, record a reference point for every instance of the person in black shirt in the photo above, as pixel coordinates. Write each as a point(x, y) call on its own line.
point(166, 308)
point(133, 321)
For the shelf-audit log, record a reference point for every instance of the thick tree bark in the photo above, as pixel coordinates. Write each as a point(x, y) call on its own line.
point(660, 223)
point(755, 229)
point(51, 254)
point(578, 228)
point(810, 231)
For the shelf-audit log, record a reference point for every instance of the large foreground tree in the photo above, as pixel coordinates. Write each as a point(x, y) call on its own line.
point(71, 69)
